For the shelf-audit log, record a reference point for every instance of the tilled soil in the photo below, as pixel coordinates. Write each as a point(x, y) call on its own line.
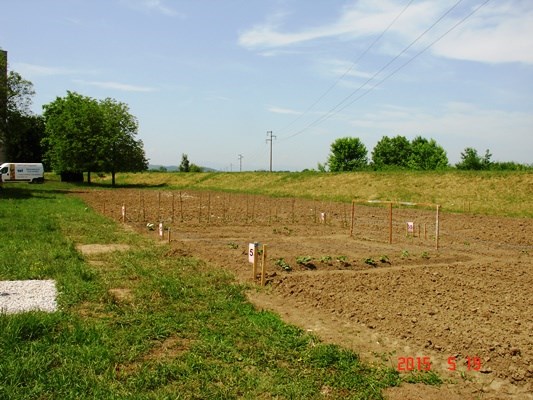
point(463, 309)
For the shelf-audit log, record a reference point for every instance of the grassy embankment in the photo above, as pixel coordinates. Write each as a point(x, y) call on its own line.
point(147, 324)
point(484, 192)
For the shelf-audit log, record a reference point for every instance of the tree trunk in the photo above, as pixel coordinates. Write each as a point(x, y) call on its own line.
point(89, 177)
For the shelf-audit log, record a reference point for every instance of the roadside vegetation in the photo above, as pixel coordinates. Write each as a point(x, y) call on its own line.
point(147, 323)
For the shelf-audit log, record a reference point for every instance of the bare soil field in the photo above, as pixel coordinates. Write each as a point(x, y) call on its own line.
point(453, 297)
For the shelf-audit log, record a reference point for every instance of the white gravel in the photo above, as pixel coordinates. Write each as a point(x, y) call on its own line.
point(32, 295)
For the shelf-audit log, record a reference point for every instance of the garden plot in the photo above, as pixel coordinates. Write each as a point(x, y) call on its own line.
point(464, 308)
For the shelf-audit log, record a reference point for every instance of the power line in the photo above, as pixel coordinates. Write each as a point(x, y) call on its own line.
point(354, 63)
point(332, 111)
point(416, 55)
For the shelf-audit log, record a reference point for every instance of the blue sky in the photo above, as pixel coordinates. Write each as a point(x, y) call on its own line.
point(210, 78)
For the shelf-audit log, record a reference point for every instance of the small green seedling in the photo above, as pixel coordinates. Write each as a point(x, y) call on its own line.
point(325, 259)
point(371, 261)
point(280, 262)
point(385, 259)
point(305, 261)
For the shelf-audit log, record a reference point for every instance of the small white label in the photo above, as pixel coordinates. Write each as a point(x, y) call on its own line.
point(251, 252)
point(410, 227)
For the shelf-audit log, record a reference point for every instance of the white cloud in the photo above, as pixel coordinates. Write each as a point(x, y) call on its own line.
point(281, 110)
point(499, 32)
point(502, 32)
point(158, 6)
point(118, 86)
point(361, 19)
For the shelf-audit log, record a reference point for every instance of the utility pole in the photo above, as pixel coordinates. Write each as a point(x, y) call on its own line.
point(240, 162)
point(270, 139)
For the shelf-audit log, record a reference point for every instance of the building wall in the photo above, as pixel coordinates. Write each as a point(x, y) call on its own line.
point(3, 101)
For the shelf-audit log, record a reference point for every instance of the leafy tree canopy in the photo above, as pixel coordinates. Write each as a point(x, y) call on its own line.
point(83, 134)
point(24, 130)
point(394, 152)
point(427, 155)
point(347, 154)
point(470, 160)
point(187, 166)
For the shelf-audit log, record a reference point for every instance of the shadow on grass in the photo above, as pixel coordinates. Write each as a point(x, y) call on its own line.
point(15, 193)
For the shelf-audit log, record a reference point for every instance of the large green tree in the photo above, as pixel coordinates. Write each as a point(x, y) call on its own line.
point(391, 152)
point(85, 135)
point(120, 150)
point(23, 129)
point(74, 134)
point(427, 155)
point(347, 154)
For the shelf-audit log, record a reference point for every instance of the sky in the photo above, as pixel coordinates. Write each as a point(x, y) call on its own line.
point(213, 79)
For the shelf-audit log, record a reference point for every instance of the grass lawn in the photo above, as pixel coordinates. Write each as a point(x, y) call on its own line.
point(147, 324)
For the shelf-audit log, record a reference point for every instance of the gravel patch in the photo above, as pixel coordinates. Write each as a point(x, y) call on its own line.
point(31, 295)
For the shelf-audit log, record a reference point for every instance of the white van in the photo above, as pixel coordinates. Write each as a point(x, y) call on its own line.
point(22, 172)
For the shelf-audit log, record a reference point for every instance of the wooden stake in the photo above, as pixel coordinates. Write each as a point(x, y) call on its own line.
point(172, 218)
point(253, 209)
point(200, 209)
point(208, 208)
point(390, 223)
point(169, 234)
point(223, 208)
point(140, 205)
point(352, 219)
point(246, 220)
point(437, 229)
point(292, 212)
point(181, 208)
point(255, 261)
point(263, 265)
point(159, 205)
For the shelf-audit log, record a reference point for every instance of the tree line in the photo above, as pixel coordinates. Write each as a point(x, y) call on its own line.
point(77, 134)
point(350, 154)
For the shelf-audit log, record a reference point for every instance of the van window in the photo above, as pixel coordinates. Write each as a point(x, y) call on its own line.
point(3, 170)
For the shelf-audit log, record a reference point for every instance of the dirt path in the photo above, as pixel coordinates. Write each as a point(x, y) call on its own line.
point(464, 310)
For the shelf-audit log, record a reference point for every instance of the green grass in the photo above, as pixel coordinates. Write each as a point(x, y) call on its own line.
point(503, 193)
point(180, 329)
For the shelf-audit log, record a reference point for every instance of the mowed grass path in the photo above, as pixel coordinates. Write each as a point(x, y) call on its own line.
point(147, 324)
